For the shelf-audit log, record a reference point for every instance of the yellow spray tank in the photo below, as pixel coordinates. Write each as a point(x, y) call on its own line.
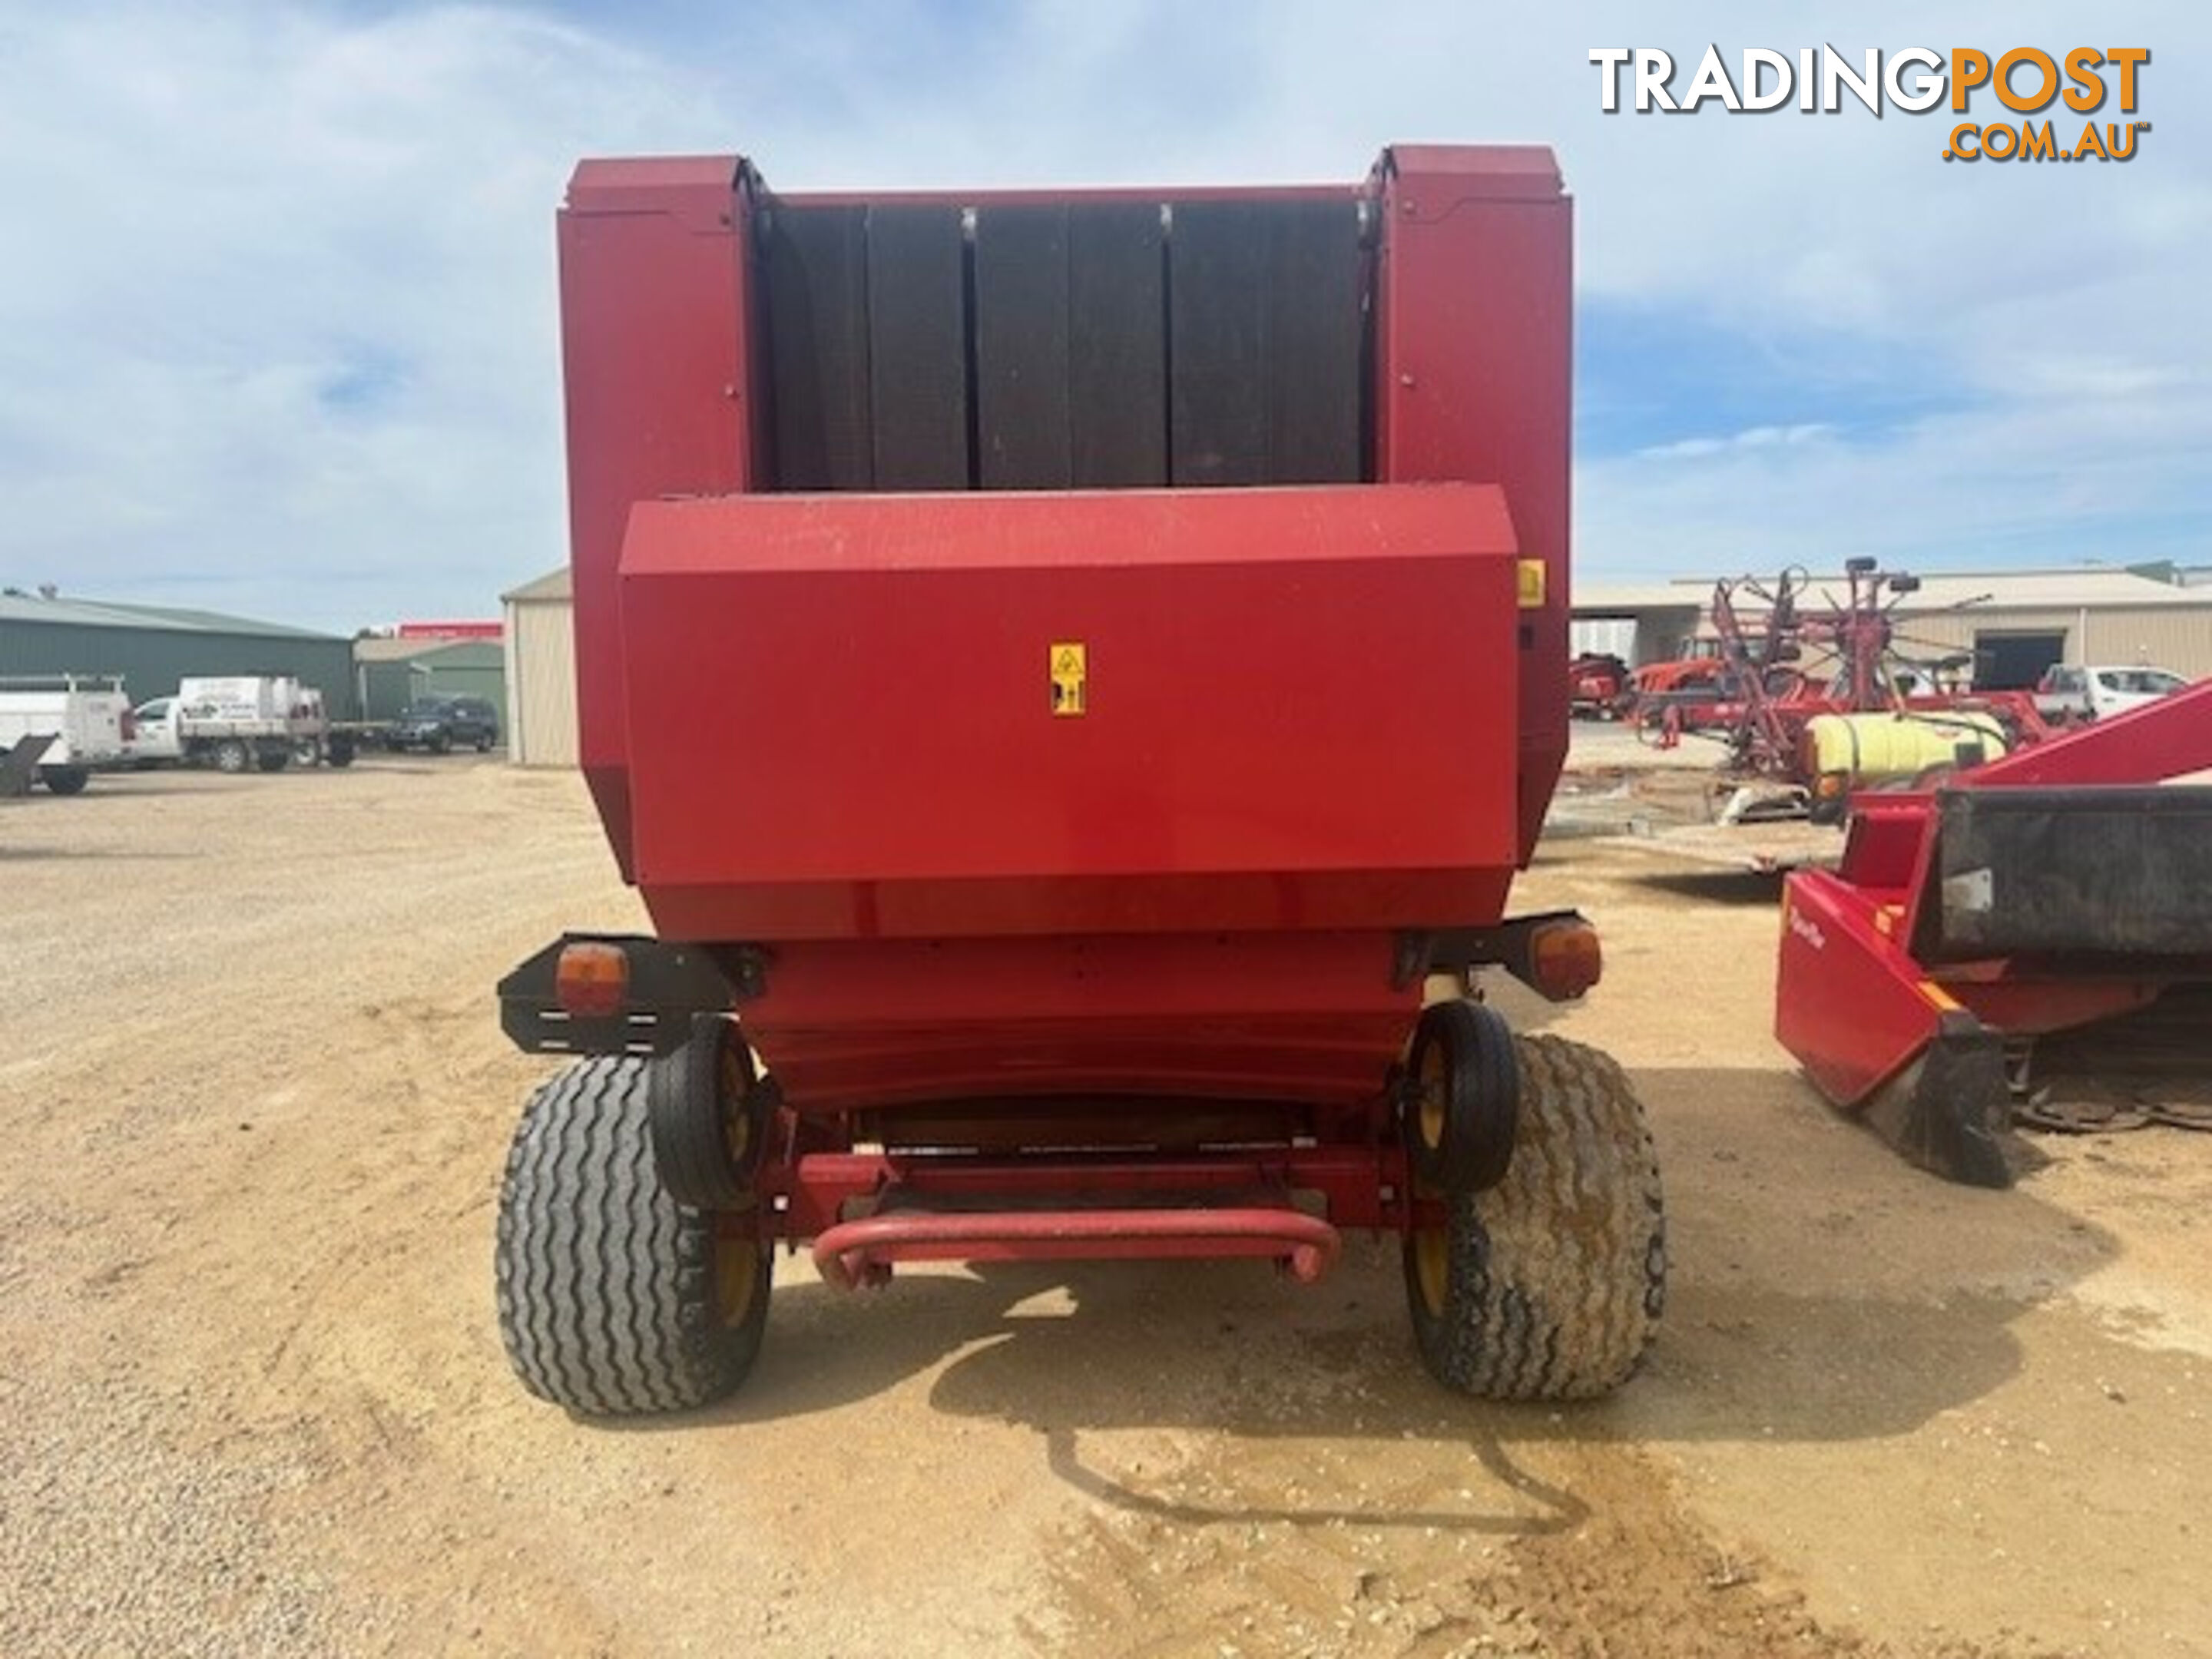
point(1843, 752)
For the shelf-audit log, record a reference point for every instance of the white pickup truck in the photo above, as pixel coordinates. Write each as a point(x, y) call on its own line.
point(85, 719)
point(237, 722)
point(2072, 691)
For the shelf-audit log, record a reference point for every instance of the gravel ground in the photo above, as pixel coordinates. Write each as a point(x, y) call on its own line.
point(255, 1104)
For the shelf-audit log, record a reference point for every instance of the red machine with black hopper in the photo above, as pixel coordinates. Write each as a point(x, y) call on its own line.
point(1072, 676)
point(2032, 940)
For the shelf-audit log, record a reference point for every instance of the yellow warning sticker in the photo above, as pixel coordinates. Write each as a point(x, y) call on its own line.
point(1066, 662)
point(1532, 584)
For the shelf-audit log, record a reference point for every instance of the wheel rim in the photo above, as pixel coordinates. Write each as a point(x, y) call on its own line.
point(1431, 1269)
point(734, 1077)
point(736, 1271)
point(1429, 1121)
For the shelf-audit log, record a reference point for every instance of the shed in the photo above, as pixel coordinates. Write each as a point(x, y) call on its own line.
point(1651, 621)
point(154, 647)
point(2013, 623)
point(541, 672)
point(391, 673)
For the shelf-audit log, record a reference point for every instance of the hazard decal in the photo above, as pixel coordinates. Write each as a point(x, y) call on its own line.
point(1066, 662)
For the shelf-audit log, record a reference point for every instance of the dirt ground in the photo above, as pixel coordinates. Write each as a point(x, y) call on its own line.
point(254, 1103)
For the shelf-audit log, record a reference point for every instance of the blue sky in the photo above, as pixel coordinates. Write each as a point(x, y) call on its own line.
point(277, 323)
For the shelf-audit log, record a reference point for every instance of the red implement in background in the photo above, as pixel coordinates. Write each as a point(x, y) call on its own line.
point(2041, 926)
point(1600, 686)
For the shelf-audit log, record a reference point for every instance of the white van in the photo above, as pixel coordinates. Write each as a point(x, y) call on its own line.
point(86, 717)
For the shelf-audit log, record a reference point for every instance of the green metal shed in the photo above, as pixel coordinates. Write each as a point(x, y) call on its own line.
point(390, 673)
point(154, 647)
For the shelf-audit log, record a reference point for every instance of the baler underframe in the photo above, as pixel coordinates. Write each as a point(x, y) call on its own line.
point(1059, 1179)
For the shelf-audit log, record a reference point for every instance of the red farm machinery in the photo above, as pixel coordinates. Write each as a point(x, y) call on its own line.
point(1813, 699)
point(2031, 941)
point(1600, 686)
point(1073, 677)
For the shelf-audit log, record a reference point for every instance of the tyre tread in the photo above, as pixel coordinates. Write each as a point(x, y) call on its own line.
point(606, 1285)
point(1557, 1276)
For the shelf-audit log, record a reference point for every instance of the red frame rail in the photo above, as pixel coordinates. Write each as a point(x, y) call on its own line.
point(865, 1210)
point(855, 1252)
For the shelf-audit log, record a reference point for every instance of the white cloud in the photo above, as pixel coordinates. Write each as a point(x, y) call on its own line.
point(278, 327)
point(1755, 437)
point(2035, 481)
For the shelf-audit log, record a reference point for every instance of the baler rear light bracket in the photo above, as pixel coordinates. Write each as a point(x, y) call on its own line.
point(612, 994)
point(1555, 954)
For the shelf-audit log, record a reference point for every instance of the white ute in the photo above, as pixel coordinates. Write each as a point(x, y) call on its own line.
point(85, 718)
point(239, 721)
point(2071, 691)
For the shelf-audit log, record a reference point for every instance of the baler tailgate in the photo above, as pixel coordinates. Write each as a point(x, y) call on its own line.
point(891, 714)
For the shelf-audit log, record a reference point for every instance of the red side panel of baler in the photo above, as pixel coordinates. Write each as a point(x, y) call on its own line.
point(654, 284)
point(1297, 711)
point(1473, 366)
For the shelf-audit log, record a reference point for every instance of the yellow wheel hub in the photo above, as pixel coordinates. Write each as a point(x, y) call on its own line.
point(1434, 1085)
point(1432, 1268)
point(736, 1271)
point(734, 1076)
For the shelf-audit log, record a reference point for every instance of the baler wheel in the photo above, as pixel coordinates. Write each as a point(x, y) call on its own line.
point(709, 1117)
point(1465, 1097)
point(1549, 1285)
point(613, 1299)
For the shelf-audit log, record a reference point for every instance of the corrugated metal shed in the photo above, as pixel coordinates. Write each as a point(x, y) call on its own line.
point(154, 647)
point(541, 672)
point(392, 673)
point(387, 687)
point(469, 668)
point(2009, 620)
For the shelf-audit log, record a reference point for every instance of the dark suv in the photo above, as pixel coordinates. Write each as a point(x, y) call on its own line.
point(439, 724)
